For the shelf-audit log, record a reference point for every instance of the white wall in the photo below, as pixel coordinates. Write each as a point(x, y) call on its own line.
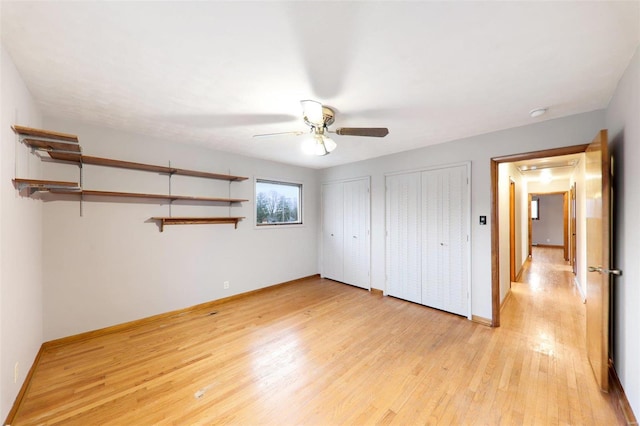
point(574, 130)
point(523, 219)
point(20, 241)
point(578, 177)
point(549, 228)
point(508, 172)
point(623, 122)
point(112, 265)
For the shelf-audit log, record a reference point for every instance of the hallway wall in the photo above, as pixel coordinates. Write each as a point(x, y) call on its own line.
point(578, 178)
point(508, 172)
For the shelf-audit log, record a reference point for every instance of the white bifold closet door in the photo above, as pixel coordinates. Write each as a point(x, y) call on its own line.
point(403, 237)
point(333, 231)
point(345, 232)
point(427, 238)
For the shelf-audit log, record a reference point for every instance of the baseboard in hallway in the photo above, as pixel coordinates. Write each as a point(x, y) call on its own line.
point(623, 408)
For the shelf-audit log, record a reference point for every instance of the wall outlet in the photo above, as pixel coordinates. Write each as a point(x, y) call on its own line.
point(15, 372)
point(225, 285)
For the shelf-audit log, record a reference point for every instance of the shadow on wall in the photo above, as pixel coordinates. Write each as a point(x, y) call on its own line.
point(616, 148)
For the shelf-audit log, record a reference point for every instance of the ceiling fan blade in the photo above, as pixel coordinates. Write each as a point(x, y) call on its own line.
point(279, 133)
point(312, 112)
point(377, 132)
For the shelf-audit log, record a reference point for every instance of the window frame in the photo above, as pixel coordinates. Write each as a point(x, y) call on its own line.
point(284, 182)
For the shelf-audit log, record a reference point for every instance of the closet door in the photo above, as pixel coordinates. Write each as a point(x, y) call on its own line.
point(445, 215)
point(333, 231)
point(403, 236)
point(431, 239)
point(356, 233)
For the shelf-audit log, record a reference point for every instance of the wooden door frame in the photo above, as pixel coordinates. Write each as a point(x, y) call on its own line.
point(495, 234)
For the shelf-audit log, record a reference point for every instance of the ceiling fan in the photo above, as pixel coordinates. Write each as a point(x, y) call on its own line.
point(319, 117)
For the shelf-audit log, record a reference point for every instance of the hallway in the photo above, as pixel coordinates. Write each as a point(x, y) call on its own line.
point(546, 315)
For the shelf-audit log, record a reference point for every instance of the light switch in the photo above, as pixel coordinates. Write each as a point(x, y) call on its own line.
point(483, 220)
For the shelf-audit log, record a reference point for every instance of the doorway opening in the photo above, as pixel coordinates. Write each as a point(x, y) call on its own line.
point(548, 221)
point(496, 289)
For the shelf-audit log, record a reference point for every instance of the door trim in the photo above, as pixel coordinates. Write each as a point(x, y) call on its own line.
point(495, 235)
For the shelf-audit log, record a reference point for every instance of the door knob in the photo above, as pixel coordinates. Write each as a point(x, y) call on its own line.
point(601, 270)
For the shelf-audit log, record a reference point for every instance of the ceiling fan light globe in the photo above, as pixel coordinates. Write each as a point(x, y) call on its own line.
point(320, 150)
point(329, 144)
point(312, 112)
point(309, 145)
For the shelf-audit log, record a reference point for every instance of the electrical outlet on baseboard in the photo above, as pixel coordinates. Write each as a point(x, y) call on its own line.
point(225, 285)
point(15, 372)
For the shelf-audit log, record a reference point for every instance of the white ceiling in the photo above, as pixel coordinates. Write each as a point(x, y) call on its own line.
point(551, 168)
point(216, 73)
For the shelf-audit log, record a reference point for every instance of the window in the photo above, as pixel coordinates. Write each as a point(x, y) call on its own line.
point(278, 203)
point(535, 209)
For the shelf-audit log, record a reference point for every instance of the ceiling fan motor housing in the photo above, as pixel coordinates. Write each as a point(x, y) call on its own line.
point(328, 115)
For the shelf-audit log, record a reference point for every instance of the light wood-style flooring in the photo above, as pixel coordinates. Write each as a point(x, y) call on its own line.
point(322, 353)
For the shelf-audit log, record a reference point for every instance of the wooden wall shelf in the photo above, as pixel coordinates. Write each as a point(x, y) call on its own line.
point(66, 147)
point(119, 194)
point(39, 185)
point(196, 221)
point(47, 134)
point(108, 162)
point(44, 184)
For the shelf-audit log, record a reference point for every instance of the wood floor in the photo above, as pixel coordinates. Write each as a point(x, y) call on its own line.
point(322, 353)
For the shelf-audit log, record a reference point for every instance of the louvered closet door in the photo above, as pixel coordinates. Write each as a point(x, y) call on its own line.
point(444, 242)
point(403, 236)
point(356, 233)
point(332, 231)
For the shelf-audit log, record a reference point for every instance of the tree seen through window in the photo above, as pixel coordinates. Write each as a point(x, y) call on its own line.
point(278, 203)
